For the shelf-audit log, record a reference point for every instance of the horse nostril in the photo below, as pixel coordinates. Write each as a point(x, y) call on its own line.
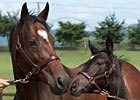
point(73, 87)
point(60, 83)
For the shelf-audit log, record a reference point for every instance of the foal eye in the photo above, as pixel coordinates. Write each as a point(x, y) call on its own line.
point(99, 63)
point(33, 43)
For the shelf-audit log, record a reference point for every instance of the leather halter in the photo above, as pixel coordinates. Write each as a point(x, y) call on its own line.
point(92, 79)
point(36, 67)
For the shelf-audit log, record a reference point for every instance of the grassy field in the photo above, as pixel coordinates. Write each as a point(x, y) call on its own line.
point(74, 58)
point(69, 58)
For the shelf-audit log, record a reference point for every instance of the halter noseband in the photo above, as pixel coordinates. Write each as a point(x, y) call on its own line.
point(36, 67)
point(92, 79)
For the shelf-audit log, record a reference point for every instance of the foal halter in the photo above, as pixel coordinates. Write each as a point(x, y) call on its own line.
point(92, 79)
point(36, 67)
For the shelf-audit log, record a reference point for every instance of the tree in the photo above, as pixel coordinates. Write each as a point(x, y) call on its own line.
point(7, 22)
point(134, 33)
point(70, 34)
point(110, 27)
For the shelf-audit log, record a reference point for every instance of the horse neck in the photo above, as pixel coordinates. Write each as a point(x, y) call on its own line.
point(73, 72)
point(34, 90)
point(117, 87)
point(131, 79)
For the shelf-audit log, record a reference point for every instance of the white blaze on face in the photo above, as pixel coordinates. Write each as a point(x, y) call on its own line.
point(43, 34)
point(92, 57)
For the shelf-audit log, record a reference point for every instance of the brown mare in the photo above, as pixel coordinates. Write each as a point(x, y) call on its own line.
point(104, 74)
point(38, 71)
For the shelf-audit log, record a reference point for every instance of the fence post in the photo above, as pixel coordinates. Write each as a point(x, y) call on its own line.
point(0, 95)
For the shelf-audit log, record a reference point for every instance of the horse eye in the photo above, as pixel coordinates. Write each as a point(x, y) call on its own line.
point(33, 43)
point(99, 63)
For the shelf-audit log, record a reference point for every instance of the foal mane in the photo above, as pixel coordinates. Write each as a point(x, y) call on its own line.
point(118, 87)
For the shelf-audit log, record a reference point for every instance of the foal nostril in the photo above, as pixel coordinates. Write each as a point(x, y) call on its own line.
point(73, 87)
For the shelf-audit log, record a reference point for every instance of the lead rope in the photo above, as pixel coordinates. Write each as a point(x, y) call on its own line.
point(105, 92)
point(24, 80)
point(18, 81)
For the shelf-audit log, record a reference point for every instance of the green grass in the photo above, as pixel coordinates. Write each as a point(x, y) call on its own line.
point(6, 73)
point(74, 58)
point(5, 66)
point(132, 57)
point(69, 58)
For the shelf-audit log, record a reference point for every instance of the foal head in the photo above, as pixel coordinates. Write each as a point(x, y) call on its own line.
point(95, 71)
point(31, 46)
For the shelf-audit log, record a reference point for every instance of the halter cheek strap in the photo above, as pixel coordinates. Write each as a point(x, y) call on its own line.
point(36, 67)
point(35, 70)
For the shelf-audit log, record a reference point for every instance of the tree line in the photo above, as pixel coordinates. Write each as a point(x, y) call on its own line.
point(7, 21)
point(71, 34)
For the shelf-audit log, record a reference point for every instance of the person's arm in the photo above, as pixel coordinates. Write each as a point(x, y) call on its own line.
point(3, 84)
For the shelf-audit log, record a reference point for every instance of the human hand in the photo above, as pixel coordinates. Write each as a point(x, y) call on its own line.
point(3, 83)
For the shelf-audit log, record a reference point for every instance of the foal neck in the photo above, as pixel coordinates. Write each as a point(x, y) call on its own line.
point(117, 87)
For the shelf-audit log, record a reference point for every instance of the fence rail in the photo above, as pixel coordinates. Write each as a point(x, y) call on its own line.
point(6, 94)
point(0, 96)
point(3, 94)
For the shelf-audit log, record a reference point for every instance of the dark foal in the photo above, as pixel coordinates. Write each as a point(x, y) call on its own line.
point(104, 74)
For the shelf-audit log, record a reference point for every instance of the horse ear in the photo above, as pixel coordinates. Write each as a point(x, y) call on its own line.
point(24, 12)
point(109, 45)
point(44, 13)
point(92, 48)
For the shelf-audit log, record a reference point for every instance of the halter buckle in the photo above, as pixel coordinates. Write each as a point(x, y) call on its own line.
point(18, 46)
point(107, 74)
point(24, 80)
point(92, 81)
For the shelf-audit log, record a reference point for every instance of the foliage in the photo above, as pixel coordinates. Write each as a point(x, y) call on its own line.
point(7, 22)
point(134, 33)
point(110, 26)
point(71, 34)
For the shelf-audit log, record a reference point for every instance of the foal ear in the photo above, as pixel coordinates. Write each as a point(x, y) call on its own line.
point(24, 12)
point(109, 45)
point(44, 13)
point(92, 48)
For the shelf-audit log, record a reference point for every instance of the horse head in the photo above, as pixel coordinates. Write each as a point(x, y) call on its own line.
point(33, 54)
point(97, 71)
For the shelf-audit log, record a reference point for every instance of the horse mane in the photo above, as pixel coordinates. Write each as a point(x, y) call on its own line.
point(10, 37)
